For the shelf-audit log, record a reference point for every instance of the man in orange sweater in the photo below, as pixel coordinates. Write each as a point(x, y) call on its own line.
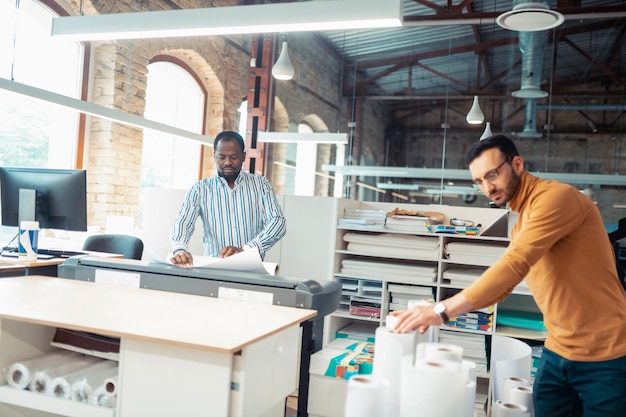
point(560, 247)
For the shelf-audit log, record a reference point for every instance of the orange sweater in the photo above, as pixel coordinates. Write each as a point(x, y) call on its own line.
point(560, 245)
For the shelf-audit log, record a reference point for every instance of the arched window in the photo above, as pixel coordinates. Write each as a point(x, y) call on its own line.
point(40, 134)
point(173, 97)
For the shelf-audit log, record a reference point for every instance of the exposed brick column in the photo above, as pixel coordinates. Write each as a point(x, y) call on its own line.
point(114, 150)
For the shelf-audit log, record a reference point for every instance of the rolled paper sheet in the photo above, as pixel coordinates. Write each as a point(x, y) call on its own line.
point(508, 385)
point(470, 398)
point(429, 335)
point(523, 396)
point(19, 374)
point(470, 369)
point(102, 398)
point(110, 385)
point(84, 387)
point(440, 351)
point(43, 377)
point(366, 396)
point(437, 389)
point(510, 357)
point(391, 348)
point(501, 409)
point(61, 386)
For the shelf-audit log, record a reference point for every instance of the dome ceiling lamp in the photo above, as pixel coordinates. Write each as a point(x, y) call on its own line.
point(530, 16)
point(475, 115)
point(283, 68)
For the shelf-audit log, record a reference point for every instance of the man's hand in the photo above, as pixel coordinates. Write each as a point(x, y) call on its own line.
point(228, 251)
point(182, 258)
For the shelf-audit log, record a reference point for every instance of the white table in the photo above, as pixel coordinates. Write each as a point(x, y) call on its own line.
point(177, 351)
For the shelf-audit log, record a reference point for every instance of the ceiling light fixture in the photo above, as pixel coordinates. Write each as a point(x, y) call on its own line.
point(487, 133)
point(295, 137)
point(475, 115)
point(283, 68)
point(100, 111)
point(530, 16)
point(261, 18)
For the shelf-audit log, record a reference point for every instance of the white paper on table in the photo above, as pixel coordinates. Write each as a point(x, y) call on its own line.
point(244, 261)
point(509, 358)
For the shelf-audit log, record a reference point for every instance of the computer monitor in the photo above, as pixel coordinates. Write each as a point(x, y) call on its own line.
point(56, 198)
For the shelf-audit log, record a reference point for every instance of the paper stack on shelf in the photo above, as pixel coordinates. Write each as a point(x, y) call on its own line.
point(393, 245)
point(474, 347)
point(412, 224)
point(365, 306)
point(358, 330)
point(410, 272)
point(401, 294)
point(521, 319)
point(477, 253)
point(462, 276)
point(362, 219)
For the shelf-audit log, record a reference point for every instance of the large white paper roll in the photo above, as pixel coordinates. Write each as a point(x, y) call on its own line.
point(102, 398)
point(19, 374)
point(437, 389)
point(61, 386)
point(470, 369)
point(429, 335)
point(110, 384)
point(508, 385)
point(509, 358)
point(366, 396)
point(523, 395)
point(470, 398)
point(501, 409)
point(392, 350)
point(440, 351)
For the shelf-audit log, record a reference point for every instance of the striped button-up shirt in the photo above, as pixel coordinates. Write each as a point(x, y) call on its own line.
point(248, 214)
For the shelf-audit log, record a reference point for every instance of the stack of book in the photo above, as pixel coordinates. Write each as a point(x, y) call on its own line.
point(474, 320)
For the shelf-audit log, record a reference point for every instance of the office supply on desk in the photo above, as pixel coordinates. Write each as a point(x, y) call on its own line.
point(322, 296)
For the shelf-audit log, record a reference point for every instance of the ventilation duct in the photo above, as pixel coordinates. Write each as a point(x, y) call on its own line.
point(531, 44)
point(530, 120)
point(529, 16)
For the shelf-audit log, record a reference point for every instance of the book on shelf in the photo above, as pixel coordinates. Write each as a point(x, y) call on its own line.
point(365, 306)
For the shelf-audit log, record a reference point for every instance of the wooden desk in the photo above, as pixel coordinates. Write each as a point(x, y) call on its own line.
point(177, 351)
point(15, 267)
point(12, 267)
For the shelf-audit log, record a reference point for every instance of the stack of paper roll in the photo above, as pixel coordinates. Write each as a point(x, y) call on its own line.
point(80, 384)
point(424, 378)
point(42, 378)
point(516, 399)
point(393, 353)
point(20, 373)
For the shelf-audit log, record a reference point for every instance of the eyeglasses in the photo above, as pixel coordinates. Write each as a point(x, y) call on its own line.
point(490, 176)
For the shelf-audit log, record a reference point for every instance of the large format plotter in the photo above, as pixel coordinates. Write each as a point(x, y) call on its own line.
point(322, 296)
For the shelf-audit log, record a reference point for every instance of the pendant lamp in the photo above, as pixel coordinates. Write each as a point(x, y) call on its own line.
point(475, 115)
point(283, 69)
point(487, 131)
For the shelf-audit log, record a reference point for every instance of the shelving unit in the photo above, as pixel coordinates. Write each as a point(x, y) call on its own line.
point(449, 255)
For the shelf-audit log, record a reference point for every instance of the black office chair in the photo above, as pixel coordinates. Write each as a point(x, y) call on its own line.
point(129, 246)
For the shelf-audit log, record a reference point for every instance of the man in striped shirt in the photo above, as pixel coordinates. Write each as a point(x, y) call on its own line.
point(239, 210)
